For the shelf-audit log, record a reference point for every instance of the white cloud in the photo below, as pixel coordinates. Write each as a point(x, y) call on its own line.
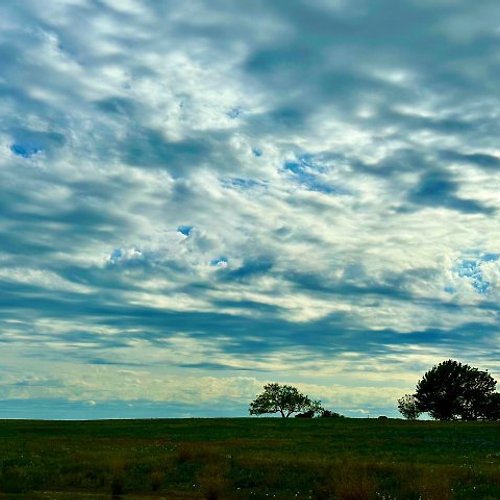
point(126, 120)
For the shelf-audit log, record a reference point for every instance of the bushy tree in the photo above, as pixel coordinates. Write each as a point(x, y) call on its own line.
point(452, 390)
point(407, 406)
point(282, 399)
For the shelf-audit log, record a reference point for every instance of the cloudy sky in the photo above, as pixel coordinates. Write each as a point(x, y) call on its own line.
point(197, 198)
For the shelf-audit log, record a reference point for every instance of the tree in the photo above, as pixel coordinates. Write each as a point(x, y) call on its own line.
point(491, 408)
point(283, 399)
point(407, 406)
point(451, 390)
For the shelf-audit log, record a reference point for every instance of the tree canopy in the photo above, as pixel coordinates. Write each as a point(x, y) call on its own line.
point(452, 390)
point(407, 406)
point(282, 399)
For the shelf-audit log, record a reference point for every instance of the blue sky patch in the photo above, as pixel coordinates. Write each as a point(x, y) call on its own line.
point(221, 261)
point(25, 150)
point(116, 255)
point(129, 258)
point(27, 142)
point(308, 173)
point(185, 230)
point(470, 269)
point(490, 257)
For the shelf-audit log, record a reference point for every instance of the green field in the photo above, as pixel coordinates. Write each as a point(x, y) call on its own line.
point(250, 458)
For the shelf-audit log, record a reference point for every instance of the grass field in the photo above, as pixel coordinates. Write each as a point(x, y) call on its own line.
point(250, 458)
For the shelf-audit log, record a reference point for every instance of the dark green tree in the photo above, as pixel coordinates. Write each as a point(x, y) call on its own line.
point(282, 399)
point(452, 390)
point(407, 406)
point(491, 408)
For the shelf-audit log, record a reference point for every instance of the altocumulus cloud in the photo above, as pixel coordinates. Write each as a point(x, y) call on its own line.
point(200, 197)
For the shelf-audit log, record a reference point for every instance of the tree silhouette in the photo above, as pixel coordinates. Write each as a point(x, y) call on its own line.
point(283, 399)
point(452, 390)
point(490, 410)
point(407, 406)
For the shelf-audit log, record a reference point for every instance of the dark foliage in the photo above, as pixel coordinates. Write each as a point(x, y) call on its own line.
point(283, 399)
point(330, 414)
point(306, 414)
point(452, 390)
point(491, 407)
point(407, 406)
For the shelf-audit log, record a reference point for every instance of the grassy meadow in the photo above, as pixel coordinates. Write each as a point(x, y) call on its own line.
point(250, 458)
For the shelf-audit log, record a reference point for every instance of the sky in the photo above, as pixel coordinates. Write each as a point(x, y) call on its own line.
point(198, 198)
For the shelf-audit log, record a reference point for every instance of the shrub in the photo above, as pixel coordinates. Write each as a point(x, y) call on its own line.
point(330, 414)
point(306, 414)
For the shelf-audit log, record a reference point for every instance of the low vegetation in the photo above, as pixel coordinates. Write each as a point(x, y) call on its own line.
point(250, 458)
